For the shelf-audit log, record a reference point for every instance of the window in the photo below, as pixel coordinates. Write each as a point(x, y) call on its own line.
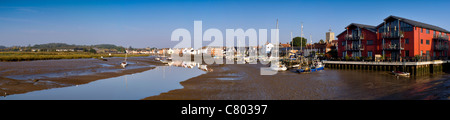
point(343, 43)
point(434, 54)
point(428, 53)
point(344, 54)
point(421, 30)
point(407, 41)
point(356, 54)
point(421, 52)
point(369, 42)
point(369, 54)
point(434, 32)
point(428, 31)
point(421, 41)
point(407, 53)
point(428, 42)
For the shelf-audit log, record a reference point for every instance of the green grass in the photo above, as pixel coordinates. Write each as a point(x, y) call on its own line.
point(28, 56)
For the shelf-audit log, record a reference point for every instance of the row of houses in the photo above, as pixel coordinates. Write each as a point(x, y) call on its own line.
point(396, 38)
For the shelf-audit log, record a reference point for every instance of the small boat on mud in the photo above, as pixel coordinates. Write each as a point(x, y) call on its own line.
point(278, 67)
point(124, 64)
point(400, 73)
point(101, 58)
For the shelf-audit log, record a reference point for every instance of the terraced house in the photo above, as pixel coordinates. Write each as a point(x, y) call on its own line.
point(398, 39)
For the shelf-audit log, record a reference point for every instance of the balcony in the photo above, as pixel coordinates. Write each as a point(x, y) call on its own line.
point(440, 37)
point(440, 47)
point(394, 46)
point(392, 35)
point(354, 47)
point(354, 37)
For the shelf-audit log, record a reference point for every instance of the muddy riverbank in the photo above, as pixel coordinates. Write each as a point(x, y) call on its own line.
point(26, 76)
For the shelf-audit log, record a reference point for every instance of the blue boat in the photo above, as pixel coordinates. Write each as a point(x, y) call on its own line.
point(318, 67)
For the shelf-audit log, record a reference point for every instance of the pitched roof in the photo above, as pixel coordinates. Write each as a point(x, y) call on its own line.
point(368, 27)
point(417, 24)
point(285, 45)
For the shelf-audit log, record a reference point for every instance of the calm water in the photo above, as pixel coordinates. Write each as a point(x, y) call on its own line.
point(127, 87)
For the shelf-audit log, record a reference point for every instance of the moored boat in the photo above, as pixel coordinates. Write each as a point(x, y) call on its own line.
point(400, 73)
point(124, 64)
point(278, 67)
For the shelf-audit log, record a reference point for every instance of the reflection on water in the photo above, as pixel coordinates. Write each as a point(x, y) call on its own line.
point(127, 87)
point(189, 64)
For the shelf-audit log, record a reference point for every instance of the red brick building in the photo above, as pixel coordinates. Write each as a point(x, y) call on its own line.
point(396, 38)
point(357, 40)
point(405, 38)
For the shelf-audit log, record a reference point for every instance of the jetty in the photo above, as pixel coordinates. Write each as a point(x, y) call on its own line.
point(415, 68)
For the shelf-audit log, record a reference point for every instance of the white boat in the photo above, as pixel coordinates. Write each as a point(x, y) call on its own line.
point(319, 66)
point(124, 64)
point(399, 73)
point(278, 67)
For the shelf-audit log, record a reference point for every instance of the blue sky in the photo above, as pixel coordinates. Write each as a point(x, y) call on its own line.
point(150, 23)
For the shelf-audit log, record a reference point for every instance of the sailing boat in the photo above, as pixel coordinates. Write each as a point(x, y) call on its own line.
point(124, 63)
point(277, 66)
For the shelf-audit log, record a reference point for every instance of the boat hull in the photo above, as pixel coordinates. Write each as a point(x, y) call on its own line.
point(310, 70)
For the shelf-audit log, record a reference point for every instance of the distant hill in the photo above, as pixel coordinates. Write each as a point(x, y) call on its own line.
point(67, 46)
point(56, 46)
point(105, 46)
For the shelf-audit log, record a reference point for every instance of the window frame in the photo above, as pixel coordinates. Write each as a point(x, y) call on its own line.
point(371, 53)
point(371, 41)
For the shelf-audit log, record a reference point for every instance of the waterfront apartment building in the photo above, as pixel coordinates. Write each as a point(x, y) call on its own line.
point(396, 38)
point(357, 40)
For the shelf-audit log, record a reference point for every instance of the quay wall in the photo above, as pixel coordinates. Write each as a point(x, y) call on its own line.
point(414, 68)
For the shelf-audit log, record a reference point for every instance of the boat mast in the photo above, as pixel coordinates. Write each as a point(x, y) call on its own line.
point(276, 34)
point(310, 42)
point(301, 38)
point(292, 43)
point(126, 53)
